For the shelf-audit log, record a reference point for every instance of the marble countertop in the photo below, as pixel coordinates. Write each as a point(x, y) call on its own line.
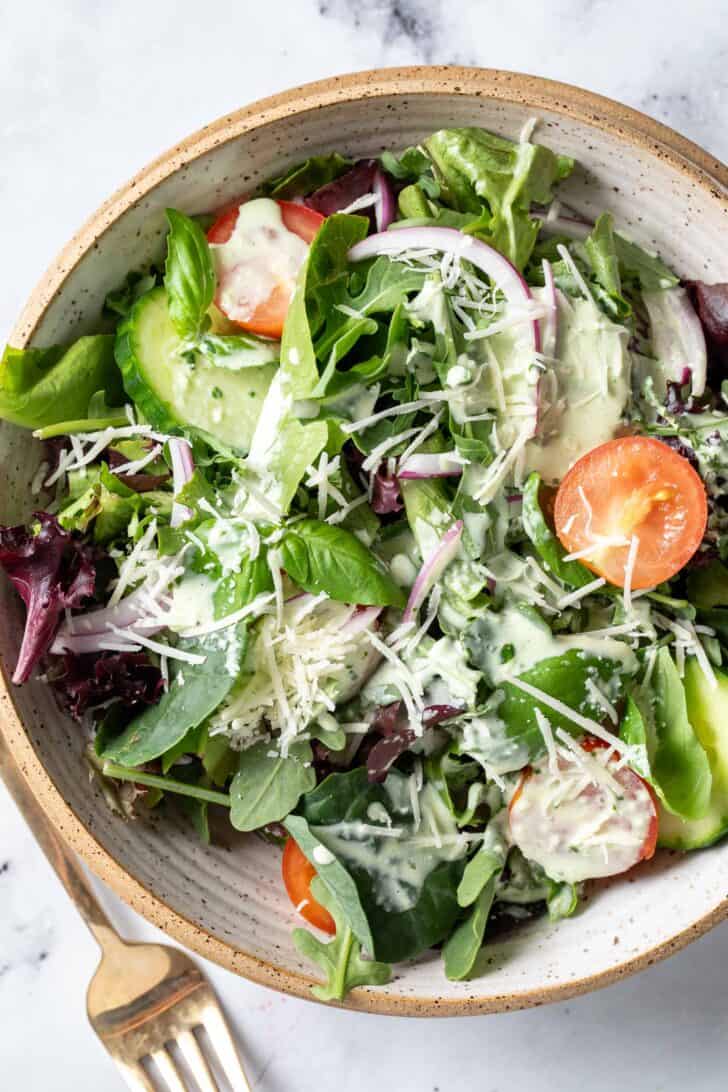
point(89, 93)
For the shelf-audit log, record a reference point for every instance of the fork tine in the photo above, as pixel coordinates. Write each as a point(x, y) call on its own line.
point(216, 1026)
point(196, 1061)
point(134, 1076)
point(168, 1070)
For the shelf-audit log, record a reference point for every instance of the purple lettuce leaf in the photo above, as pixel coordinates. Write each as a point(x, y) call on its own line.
point(711, 303)
point(392, 724)
point(93, 680)
point(51, 570)
point(339, 194)
point(140, 483)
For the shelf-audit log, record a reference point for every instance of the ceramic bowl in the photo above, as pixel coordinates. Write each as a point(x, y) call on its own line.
point(227, 902)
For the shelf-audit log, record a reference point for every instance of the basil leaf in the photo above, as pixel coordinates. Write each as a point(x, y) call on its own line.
point(267, 787)
point(461, 948)
point(40, 387)
point(189, 276)
point(195, 691)
point(320, 557)
point(341, 957)
point(334, 877)
point(562, 677)
point(572, 573)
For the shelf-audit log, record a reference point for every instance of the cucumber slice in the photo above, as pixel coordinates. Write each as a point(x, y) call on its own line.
point(708, 712)
point(172, 393)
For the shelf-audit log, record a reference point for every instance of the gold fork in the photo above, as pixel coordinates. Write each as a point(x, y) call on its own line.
point(143, 998)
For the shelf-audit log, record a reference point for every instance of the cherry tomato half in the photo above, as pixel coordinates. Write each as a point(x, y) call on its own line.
point(575, 828)
point(297, 875)
point(268, 316)
point(632, 488)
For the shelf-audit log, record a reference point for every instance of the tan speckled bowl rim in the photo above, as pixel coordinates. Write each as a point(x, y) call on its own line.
point(537, 94)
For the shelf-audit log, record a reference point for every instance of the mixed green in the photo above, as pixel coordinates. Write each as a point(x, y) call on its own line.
point(390, 515)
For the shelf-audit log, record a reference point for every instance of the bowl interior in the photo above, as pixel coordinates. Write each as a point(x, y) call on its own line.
point(227, 901)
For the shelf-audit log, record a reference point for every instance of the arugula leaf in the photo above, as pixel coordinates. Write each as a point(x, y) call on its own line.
point(320, 557)
point(571, 573)
point(562, 900)
point(479, 871)
point(304, 178)
point(40, 387)
point(413, 165)
point(641, 267)
point(108, 503)
point(462, 946)
point(341, 957)
point(678, 765)
point(120, 301)
point(189, 276)
point(334, 877)
point(473, 166)
point(195, 691)
point(602, 253)
point(267, 787)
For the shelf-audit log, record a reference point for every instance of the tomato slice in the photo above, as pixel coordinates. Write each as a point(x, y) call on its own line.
point(632, 503)
point(579, 823)
point(266, 261)
point(297, 875)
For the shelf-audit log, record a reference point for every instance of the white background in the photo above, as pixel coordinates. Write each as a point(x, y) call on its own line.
point(89, 92)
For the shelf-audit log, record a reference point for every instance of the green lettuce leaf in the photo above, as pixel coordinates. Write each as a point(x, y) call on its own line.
point(474, 166)
point(40, 387)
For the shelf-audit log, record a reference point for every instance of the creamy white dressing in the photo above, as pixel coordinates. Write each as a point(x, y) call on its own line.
point(530, 640)
point(192, 603)
point(260, 255)
point(265, 448)
point(440, 669)
point(403, 856)
point(584, 394)
point(486, 738)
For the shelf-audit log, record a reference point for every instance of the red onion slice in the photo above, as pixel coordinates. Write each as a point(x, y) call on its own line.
point(182, 470)
point(489, 261)
point(385, 208)
point(549, 323)
point(677, 336)
point(427, 465)
point(91, 627)
point(433, 568)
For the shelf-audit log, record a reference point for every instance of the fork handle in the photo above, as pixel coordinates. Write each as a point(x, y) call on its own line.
point(61, 858)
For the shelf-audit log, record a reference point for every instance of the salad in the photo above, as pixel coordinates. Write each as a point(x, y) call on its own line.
point(389, 515)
